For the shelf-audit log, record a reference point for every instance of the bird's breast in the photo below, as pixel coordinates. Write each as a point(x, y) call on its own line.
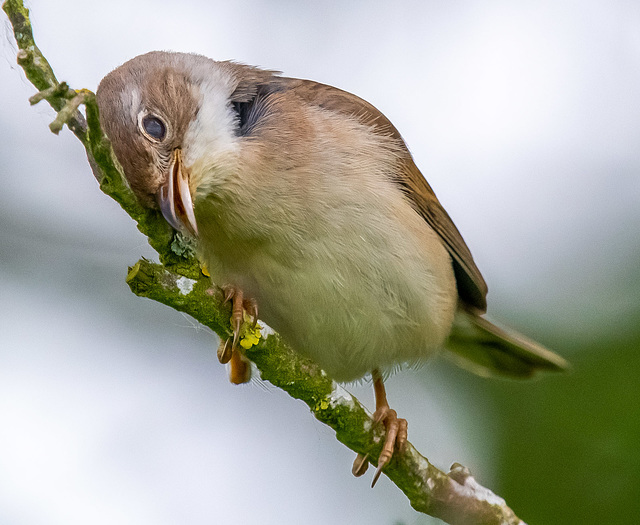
point(353, 287)
point(340, 263)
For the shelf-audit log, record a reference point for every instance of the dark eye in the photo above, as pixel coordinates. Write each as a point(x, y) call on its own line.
point(154, 127)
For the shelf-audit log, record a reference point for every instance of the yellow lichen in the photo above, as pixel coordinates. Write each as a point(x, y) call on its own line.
point(249, 335)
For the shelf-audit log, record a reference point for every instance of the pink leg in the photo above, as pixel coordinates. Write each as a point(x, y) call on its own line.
point(396, 428)
point(228, 350)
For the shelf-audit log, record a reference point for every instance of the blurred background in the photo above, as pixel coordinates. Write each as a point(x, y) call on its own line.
point(524, 117)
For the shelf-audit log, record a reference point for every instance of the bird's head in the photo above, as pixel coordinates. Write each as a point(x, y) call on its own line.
point(173, 120)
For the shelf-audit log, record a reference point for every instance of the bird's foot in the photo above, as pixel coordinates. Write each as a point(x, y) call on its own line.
point(395, 438)
point(395, 435)
point(240, 370)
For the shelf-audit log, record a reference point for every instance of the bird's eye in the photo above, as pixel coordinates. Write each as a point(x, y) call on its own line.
point(154, 127)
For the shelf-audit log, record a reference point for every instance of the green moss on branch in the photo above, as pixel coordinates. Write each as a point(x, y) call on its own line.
point(457, 498)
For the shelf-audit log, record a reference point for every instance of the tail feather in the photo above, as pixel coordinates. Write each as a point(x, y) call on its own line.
point(488, 350)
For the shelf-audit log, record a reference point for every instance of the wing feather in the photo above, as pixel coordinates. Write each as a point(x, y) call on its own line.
point(472, 288)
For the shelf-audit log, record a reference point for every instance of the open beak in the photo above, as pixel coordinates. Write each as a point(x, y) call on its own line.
point(174, 197)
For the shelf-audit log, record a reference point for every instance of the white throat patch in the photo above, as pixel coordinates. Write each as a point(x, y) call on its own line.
point(210, 142)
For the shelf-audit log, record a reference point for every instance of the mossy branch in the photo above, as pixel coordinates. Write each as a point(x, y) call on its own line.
point(454, 497)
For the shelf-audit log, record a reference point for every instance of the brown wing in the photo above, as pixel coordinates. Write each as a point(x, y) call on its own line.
point(472, 288)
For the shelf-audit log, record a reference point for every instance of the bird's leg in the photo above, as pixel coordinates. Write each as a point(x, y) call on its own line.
point(396, 435)
point(228, 351)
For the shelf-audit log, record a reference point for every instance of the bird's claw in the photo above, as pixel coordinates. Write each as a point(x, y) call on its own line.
point(360, 465)
point(239, 305)
point(225, 351)
point(228, 351)
point(395, 437)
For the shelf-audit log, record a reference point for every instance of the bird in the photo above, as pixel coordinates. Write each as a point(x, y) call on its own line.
point(306, 206)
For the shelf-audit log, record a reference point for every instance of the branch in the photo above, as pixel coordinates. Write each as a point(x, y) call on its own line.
point(179, 283)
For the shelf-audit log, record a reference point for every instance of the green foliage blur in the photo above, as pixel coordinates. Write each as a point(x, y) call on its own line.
point(569, 445)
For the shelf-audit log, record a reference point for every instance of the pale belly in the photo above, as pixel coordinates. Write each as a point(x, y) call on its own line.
point(351, 303)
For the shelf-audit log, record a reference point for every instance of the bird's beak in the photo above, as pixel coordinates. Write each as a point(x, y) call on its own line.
point(174, 197)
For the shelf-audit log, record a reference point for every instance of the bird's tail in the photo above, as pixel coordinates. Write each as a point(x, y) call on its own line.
point(487, 350)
